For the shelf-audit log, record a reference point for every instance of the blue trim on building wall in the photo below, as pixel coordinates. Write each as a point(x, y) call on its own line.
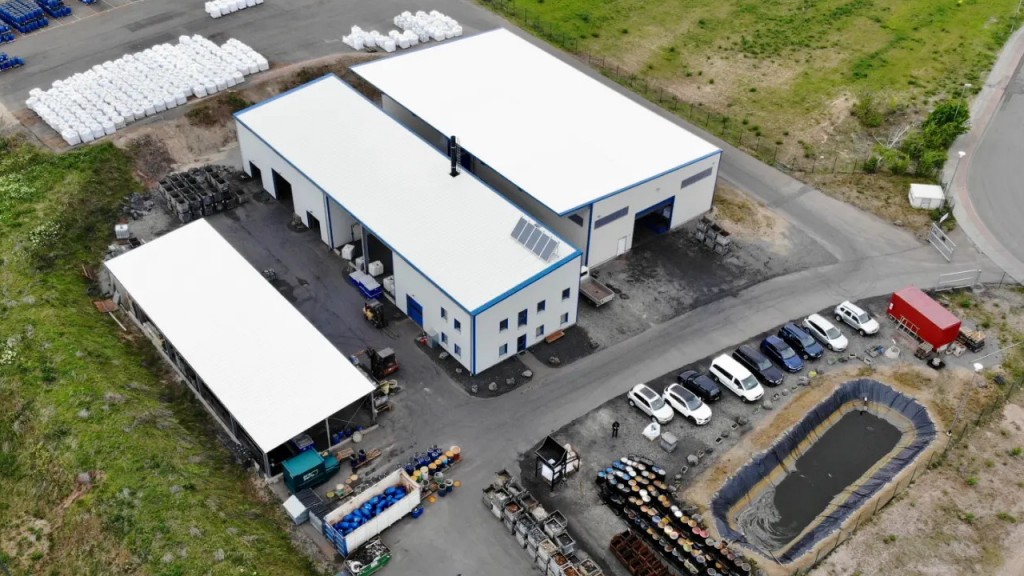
point(281, 95)
point(590, 228)
point(542, 203)
point(472, 369)
point(499, 298)
point(529, 281)
point(642, 182)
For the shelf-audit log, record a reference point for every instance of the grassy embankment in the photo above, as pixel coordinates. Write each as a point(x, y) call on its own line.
point(78, 395)
point(813, 85)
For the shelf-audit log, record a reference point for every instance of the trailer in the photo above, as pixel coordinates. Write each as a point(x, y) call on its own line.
point(348, 540)
point(598, 294)
point(923, 318)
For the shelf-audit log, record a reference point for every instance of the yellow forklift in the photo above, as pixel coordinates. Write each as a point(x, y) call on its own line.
point(373, 311)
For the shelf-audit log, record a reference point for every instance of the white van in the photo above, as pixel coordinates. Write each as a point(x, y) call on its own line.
point(735, 377)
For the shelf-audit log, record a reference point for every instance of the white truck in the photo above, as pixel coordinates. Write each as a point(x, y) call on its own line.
point(598, 294)
point(349, 541)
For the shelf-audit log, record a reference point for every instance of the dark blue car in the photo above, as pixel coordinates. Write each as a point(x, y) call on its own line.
point(801, 342)
point(782, 354)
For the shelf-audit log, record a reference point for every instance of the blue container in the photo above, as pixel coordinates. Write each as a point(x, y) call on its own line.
point(417, 512)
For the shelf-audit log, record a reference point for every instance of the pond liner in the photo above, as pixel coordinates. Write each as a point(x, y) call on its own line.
point(913, 420)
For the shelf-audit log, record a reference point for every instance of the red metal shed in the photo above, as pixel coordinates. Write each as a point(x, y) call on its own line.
point(924, 317)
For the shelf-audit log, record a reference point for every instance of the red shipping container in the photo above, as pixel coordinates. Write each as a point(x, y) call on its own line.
point(924, 317)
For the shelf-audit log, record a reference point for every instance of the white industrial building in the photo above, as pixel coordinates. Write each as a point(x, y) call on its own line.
point(481, 278)
point(258, 366)
point(587, 161)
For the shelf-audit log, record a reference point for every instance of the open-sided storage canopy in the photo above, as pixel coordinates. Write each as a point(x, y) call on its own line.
point(270, 368)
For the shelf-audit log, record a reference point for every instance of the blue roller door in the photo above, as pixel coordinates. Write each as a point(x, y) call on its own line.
point(414, 310)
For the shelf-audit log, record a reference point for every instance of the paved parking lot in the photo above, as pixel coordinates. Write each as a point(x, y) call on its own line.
point(593, 524)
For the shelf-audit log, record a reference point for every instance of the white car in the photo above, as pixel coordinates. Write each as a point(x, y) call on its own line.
point(687, 404)
point(826, 333)
point(641, 396)
point(736, 378)
point(856, 318)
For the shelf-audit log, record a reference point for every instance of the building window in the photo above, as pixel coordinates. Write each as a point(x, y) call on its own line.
point(458, 350)
point(566, 293)
point(444, 338)
point(696, 177)
point(444, 314)
point(540, 331)
point(610, 217)
point(503, 350)
point(565, 318)
point(542, 306)
point(577, 219)
point(522, 318)
point(458, 325)
point(503, 325)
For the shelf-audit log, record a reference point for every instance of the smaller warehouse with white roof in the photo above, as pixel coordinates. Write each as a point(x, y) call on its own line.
point(258, 366)
point(588, 162)
point(481, 277)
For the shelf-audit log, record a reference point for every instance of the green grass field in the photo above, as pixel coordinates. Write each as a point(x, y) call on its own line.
point(782, 63)
point(78, 395)
point(789, 80)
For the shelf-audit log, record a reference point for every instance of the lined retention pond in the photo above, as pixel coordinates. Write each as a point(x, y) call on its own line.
point(823, 469)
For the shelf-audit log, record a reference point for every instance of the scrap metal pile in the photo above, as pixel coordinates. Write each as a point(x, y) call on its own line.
point(634, 487)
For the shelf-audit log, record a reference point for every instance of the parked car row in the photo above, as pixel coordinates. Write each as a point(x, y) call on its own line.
point(746, 369)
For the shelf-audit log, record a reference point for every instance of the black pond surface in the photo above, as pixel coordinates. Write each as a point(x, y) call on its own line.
point(842, 455)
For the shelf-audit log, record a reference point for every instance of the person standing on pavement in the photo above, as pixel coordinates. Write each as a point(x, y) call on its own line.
point(615, 429)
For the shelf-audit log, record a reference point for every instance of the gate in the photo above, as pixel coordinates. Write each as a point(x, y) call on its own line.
point(954, 280)
point(942, 243)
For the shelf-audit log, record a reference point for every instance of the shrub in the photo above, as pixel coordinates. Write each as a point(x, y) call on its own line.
point(867, 111)
point(1007, 517)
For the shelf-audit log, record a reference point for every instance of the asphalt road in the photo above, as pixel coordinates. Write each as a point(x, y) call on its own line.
point(994, 180)
point(985, 183)
point(284, 31)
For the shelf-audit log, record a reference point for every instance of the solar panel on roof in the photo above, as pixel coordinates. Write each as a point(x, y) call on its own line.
point(519, 228)
point(533, 238)
point(525, 234)
point(539, 246)
point(549, 249)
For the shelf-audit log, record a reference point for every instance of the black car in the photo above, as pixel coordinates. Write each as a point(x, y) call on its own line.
point(759, 364)
point(700, 384)
point(802, 342)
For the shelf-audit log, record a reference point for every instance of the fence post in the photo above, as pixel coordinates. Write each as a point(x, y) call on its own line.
point(834, 162)
point(775, 154)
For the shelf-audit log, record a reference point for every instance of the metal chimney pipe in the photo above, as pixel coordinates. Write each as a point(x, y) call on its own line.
point(454, 153)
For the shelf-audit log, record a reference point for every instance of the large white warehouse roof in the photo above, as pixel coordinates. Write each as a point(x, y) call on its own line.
point(456, 231)
point(556, 133)
point(273, 370)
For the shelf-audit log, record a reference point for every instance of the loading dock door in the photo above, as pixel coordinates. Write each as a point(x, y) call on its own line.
point(256, 173)
point(658, 217)
point(282, 190)
point(414, 310)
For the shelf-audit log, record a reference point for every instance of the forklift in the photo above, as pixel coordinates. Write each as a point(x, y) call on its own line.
point(373, 311)
point(382, 362)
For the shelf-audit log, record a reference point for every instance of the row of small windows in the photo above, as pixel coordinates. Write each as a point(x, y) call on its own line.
point(523, 318)
point(456, 324)
point(503, 349)
point(444, 340)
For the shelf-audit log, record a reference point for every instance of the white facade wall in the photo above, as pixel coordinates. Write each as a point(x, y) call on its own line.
point(489, 337)
point(409, 282)
point(344, 229)
point(616, 237)
point(306, 197)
